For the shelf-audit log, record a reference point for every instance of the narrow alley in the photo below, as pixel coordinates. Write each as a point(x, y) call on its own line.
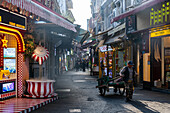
point(85, 56)
point(77, 93)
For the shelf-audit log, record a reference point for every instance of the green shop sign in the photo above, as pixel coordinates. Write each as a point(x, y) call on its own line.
point(160, 14)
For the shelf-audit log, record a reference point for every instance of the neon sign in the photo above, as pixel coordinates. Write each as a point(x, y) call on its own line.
point(4, 42)
point(12, 19)
point(160, 15)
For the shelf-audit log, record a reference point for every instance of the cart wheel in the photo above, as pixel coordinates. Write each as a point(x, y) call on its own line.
point(122, 91)
point(102, 91)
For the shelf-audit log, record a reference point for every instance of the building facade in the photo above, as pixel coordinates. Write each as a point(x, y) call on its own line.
point(130, 28)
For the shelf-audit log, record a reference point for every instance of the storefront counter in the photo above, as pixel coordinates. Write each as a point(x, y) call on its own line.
point(7, 88)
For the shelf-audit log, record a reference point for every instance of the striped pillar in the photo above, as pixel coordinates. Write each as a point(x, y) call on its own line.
point(20, 75)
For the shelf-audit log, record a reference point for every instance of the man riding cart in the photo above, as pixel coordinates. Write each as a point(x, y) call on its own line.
point(128, 74)
point(122, 82)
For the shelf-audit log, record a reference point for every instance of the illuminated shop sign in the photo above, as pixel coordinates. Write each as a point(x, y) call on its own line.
point(160, 31)
point(12, 19)
point(104, 48)
point(160, 14)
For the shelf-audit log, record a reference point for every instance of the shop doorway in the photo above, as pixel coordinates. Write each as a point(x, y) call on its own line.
point(155, 59)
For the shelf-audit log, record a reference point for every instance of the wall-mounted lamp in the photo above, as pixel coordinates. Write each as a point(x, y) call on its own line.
point(9, 6)
point(19, 10)
point(14, 8)
point(37, 18)
point(27, 13)
point(32, 16)
point(23, 11)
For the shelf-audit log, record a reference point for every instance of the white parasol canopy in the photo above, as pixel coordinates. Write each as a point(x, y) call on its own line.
point(40, 54)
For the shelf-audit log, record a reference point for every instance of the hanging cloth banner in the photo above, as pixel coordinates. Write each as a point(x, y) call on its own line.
point(39, 9)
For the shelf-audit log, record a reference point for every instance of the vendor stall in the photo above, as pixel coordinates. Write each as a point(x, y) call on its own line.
point(12, 47)
point(103, 56)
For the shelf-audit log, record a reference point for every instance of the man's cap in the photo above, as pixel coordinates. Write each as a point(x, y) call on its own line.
point(130, 63)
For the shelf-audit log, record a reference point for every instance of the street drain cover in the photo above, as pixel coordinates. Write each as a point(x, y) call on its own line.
point(90, 99)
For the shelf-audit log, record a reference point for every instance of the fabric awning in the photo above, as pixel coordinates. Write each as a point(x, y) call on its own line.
point(42, 11)
point(100, 44)
point(88, 44)
point(118, 28)
point(115, 39)
point(86, 35)
point(141, 7)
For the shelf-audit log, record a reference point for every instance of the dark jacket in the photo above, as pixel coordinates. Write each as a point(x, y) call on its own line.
point(126, 74)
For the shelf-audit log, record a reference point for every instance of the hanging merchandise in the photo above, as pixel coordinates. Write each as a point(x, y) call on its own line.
point(156, 52)
point(40, 54)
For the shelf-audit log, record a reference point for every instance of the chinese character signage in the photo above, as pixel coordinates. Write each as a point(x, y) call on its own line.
point(160, 14)
point(130, 24)
point(12, 19)
point(104, 48)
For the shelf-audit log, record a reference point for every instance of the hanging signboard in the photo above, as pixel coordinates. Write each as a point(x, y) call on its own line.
point(12, 19)
point(160, 31)
point(104, 48)
point(130, 24)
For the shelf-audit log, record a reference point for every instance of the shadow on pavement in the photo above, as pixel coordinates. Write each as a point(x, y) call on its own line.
point(137, 104)
point(143, 107)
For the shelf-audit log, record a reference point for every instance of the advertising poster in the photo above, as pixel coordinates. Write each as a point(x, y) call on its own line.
point(10, 64)
point(9, 52)
point(8, 87)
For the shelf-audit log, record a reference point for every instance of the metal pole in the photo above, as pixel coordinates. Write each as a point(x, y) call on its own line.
point(107, 59)
point(40, 71)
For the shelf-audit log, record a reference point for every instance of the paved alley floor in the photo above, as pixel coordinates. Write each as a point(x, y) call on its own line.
point(77, 94)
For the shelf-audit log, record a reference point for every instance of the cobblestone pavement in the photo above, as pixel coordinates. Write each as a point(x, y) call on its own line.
point(77, 93)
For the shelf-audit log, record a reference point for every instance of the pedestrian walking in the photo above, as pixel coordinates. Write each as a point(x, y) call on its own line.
point(141, 68)
point(76, 66)
point(128, 73)
point(102, 67)
point(87, 64)
point(83, 66)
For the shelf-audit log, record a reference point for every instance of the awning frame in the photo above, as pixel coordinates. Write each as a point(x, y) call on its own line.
point(42, 11)
point(115, 39)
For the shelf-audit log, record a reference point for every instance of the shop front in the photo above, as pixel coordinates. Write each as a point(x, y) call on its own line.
point(160, 56)
point(12, 47)
point(106, 54)
point(154, 35)
point(11, 75)
point(121, 52)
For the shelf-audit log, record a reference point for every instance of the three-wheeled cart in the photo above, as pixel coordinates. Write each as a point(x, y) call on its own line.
point(105, 83)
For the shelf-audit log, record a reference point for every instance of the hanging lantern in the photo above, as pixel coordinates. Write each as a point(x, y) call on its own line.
point(40, 54)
